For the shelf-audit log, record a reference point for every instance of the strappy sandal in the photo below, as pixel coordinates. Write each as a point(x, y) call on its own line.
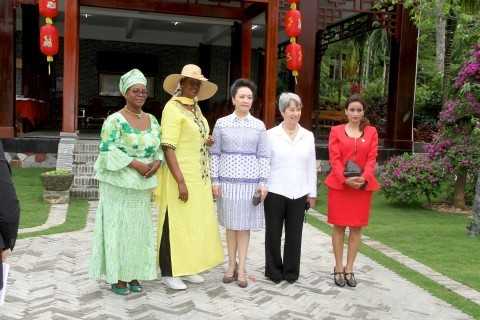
point(339, 278)
point(350, 279)
point(242, 283)
point(227, 278)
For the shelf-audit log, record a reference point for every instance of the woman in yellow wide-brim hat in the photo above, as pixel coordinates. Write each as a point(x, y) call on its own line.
point(189, 240)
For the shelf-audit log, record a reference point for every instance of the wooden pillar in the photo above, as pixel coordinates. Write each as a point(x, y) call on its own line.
point(401, 88)
point(246, 55)
point(271, 44)
point(7, 69)
point(70, 66)
point(307, 87)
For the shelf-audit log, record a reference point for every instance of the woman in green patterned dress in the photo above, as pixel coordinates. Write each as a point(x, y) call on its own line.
point(123, 243)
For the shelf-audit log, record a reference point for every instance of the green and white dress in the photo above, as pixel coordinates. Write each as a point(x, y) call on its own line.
point(123, 239)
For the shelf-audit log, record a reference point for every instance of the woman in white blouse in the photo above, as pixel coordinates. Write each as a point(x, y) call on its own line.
point(292, 187)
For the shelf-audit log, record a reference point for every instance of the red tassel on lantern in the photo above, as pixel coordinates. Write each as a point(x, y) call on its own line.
point(294, 57)
point(293, 23)
point(49, 42)
point(48, 9)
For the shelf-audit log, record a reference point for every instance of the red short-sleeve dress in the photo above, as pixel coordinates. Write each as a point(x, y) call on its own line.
point(347, 206)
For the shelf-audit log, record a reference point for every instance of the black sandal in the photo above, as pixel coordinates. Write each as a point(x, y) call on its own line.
point(350, 279)
point(340, 280)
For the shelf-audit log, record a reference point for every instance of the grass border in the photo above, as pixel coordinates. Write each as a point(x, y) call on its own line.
point(434, 288)
point(76, 220)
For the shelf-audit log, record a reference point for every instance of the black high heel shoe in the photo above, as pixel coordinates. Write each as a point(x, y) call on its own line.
point(350, 279)
point(339, 278)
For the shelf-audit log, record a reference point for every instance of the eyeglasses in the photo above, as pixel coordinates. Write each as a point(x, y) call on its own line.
point(139, 92)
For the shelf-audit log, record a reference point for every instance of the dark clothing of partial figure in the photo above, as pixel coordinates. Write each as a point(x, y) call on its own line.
point(9, 209)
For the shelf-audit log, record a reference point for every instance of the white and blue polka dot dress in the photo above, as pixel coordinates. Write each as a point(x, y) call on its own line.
point(240, 163)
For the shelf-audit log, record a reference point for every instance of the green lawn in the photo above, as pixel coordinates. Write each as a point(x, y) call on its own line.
point(76, 220)
point(438, 240)
point(435, 239)
point(34, 211)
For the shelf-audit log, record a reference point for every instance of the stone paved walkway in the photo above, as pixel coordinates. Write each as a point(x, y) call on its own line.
point(452, 285)
point(49, 281)
point(56, 216)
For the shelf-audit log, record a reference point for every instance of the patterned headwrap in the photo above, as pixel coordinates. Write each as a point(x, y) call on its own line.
point(130, 78)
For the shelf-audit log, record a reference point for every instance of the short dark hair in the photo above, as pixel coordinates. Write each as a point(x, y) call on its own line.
point(240, 83)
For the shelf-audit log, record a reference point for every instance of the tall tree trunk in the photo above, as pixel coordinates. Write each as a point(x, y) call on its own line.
point(440, 35)
point(386, 68)
point(474, 227)
point(459, 193)
point(450, 28)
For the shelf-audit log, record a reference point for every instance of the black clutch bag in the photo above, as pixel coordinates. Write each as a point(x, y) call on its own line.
point(352, 169)
point(257, 197)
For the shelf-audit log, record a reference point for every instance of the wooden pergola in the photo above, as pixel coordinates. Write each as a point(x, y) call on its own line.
point(239, 10)
point(321, 19)
point(324, 22)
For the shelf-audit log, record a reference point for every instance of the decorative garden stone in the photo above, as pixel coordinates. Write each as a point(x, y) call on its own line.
point(57, 185)
point(474, 227)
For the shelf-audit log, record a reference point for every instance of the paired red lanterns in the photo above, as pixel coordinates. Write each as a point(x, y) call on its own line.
point(48, 32)
point(293, 29)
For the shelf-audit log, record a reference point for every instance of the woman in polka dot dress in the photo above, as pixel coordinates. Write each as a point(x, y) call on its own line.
point(240, 167)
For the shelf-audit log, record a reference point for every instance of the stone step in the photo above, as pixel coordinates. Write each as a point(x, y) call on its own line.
point(86, 158)
point(85, 181)
point(83, 169)
point(86, 147)
point(83, 193)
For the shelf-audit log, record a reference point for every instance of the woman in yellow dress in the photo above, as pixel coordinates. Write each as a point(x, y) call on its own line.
point(189, 240)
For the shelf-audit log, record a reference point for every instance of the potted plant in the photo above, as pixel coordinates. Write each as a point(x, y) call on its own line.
point(56, 184)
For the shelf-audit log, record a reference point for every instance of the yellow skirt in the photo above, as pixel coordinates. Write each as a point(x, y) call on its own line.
point(195, 244)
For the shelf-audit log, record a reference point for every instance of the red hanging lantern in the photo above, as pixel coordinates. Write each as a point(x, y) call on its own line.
point(293, 23)
point(293, 4)
point(49, 42)
point(293, 28)
point(294, 57)
point(48, 32)
point(48, 8)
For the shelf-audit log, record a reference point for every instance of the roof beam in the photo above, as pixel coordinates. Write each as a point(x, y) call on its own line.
point(198, 10)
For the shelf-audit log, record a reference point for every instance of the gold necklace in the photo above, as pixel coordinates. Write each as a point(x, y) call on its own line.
point(137, 115)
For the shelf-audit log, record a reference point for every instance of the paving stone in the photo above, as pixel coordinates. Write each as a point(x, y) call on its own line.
point(49, 280)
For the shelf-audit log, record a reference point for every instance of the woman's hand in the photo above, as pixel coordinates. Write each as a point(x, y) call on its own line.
point(263, 192)
point(312, 202)
point(209, 141)
point(140, 167)
point(216, 191)
point(182, 192)
point(355, 182)
point(153, 168)
point(5, 254)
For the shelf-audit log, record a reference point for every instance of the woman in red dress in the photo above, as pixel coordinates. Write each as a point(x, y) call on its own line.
point(351, 182)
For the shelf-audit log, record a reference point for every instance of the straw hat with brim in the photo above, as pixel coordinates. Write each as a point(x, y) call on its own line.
point(207, 89)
